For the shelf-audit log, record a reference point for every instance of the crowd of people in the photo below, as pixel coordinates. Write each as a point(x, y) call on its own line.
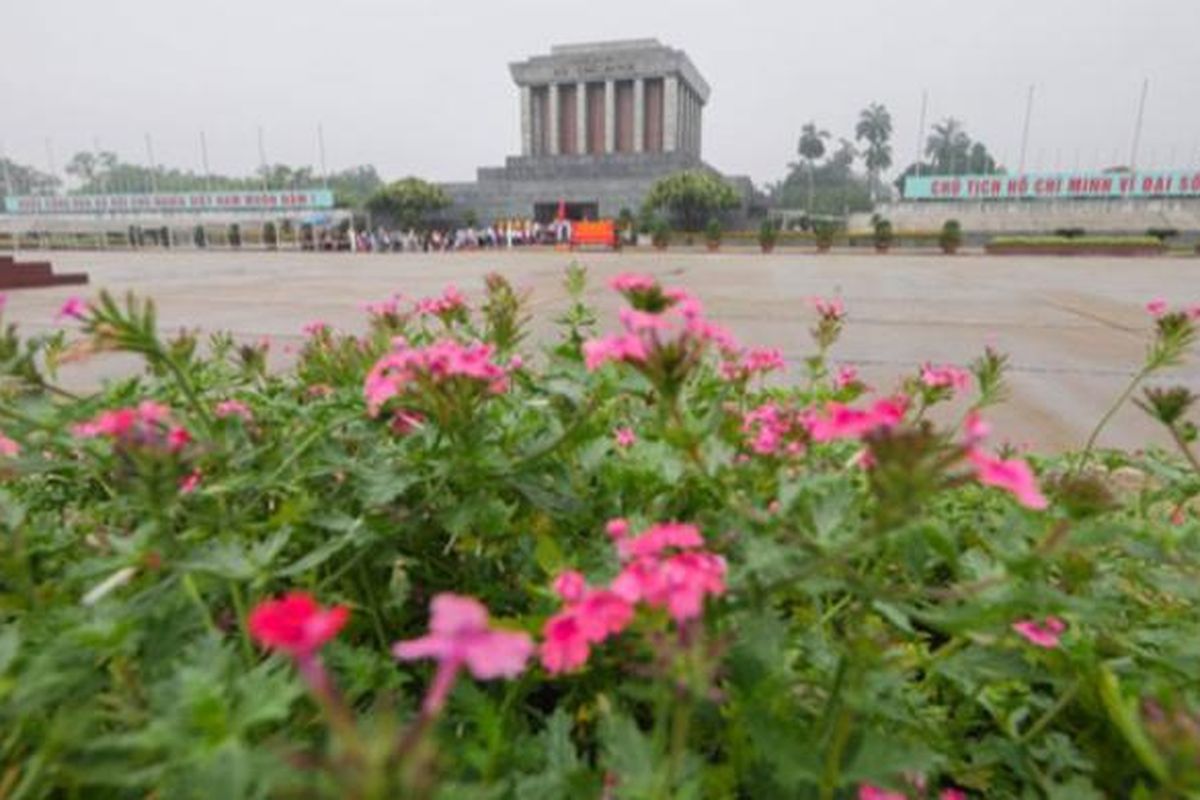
point(507, 234)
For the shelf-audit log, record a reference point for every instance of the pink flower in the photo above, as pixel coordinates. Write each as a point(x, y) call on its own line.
point(295, 624)
point(846, 376)
point(451, 302)
point(413, 370)
point(3, 300)
point(234, 408)
point(619, 347)
point(953, 794)
point(1045, 634)
point(315, 328)
point(386, 308)
point(1157, 307)
point(617, 529)
point(1194, 312)
point(756, 361)
point(843, 422)
point(73, 308)
point(945, 377)
point(459, 636)
point(976, 428)
point(659, 537)
point(565, 648)
point(678, 583)
point(625, 437)
point(9, 448)
point(869, 792)
point(1012, 475)
point(832, 309)
point(570, 586)
point(630, 282)
point(178, 438)
point(190, 482)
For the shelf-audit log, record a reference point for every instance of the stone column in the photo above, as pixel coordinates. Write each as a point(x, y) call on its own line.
point(552, 137)
point(581, 118)
point(699, 127)
point(670, 113)
point(526, 121)
point(639, 115)
point(610, 116)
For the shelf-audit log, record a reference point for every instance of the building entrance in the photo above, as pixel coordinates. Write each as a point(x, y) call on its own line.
point(548, 212)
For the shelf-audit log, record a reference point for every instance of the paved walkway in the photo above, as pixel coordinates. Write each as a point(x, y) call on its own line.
point(1075, 328)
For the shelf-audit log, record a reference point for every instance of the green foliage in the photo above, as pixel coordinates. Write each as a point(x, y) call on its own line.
point(768, 234)
point(951, 236)
point(864, 633)
point(951, 151)
point(1080, 242)
point(660, 233)
point(712, 231)
point(823, 231)
point(882, 232)
point(408, 203)
point(691, 198)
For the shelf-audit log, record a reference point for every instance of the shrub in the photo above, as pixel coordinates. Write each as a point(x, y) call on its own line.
point(270, 236)
point(712, 232)
point(235, 235)
point(768, 235)
point(660, 233)
point(1070, 233)
point(951, 236)
point(413, 564)
point(883, 233)
point(1162, 234)
point(823, 231)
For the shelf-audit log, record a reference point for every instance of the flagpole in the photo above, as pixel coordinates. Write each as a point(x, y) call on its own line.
point(1025, 131)
point(321, 151)
point(153, 166)
point(921, 128)
point(204, 161)
point(262, 158)
point(1137, 128)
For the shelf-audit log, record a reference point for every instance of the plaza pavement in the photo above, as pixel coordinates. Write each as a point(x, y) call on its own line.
point(1075, 328)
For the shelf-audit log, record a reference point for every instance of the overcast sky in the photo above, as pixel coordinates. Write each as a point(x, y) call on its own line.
point(422, 86)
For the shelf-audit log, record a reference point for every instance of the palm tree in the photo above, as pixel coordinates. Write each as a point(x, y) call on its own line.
point(875, 126)
point(812, 147)
point(948, 146)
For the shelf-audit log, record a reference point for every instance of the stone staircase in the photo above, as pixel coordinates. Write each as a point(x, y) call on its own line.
point(34, 274)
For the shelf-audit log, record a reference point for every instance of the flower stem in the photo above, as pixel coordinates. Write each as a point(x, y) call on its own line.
point(1108, 415)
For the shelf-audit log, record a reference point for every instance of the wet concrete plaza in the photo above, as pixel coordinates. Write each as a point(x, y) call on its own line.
point(1075, 328)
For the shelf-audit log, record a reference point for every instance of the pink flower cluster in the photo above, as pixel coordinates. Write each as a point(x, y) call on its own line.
point(847, 377)
point(678, 327)
point(316, 328)
point(451, 302)
point(831, 309)
point(774, 430)
point(385, 308)
point(1158, 307)
point(460, 636)
point(1012, 475)
point(1045, 634)
point(407, 368)
point(234, 408)
point(945, 377)
point(72, 308)
point(755, 361)
point(869, 792)
point(664, 567)
point(148, 424)
point(9, 448)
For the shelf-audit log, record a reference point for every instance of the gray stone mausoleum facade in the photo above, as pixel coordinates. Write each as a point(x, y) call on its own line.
point(600, 123)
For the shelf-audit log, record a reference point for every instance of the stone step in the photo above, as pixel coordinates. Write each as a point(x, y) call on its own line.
point(34, 274)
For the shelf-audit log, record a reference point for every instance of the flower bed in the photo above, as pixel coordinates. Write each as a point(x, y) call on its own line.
point(434, 560)
point(1075, 246)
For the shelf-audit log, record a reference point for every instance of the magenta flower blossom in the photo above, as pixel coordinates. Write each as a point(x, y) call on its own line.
point(385, 308)
point(1012, 475)
point(631, 282)
point(3, 300)
point(869, 792)
point(1157, 307)
point(234, 408)
point(846, 377)
point(625, 437)
point(9, 448)
point(617, 529)
point(315, 328)
point(295, 624)
point(843, 422)
point(570, 586)
point(657, 538)
point(146, 425)
point(976, 429)
point(449, 304)
point(416, 369)
point(1045, 634)
point(190, 482)
point(756, 361)
point(952, 794)
point(619, 347)
point(73, 308)
point(459, 636)
point(832, 309)
point(945, 377)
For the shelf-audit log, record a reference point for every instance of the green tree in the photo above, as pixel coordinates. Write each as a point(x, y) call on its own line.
point(948, 147)
point(875, 128)
point(408, 203)
point(691, 198)
point(18, 179)
point(811, 149)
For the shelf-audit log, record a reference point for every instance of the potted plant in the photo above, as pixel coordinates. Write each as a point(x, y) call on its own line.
point(768, 235)
point(951, 237)
point(660, 234)
point(883, 235)
point(625, 225)
point(235, 235)
point(823, 232)
point(270, 236)
point(712, 235)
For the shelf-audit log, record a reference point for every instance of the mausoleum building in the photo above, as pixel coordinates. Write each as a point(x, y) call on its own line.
point(600, 123)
